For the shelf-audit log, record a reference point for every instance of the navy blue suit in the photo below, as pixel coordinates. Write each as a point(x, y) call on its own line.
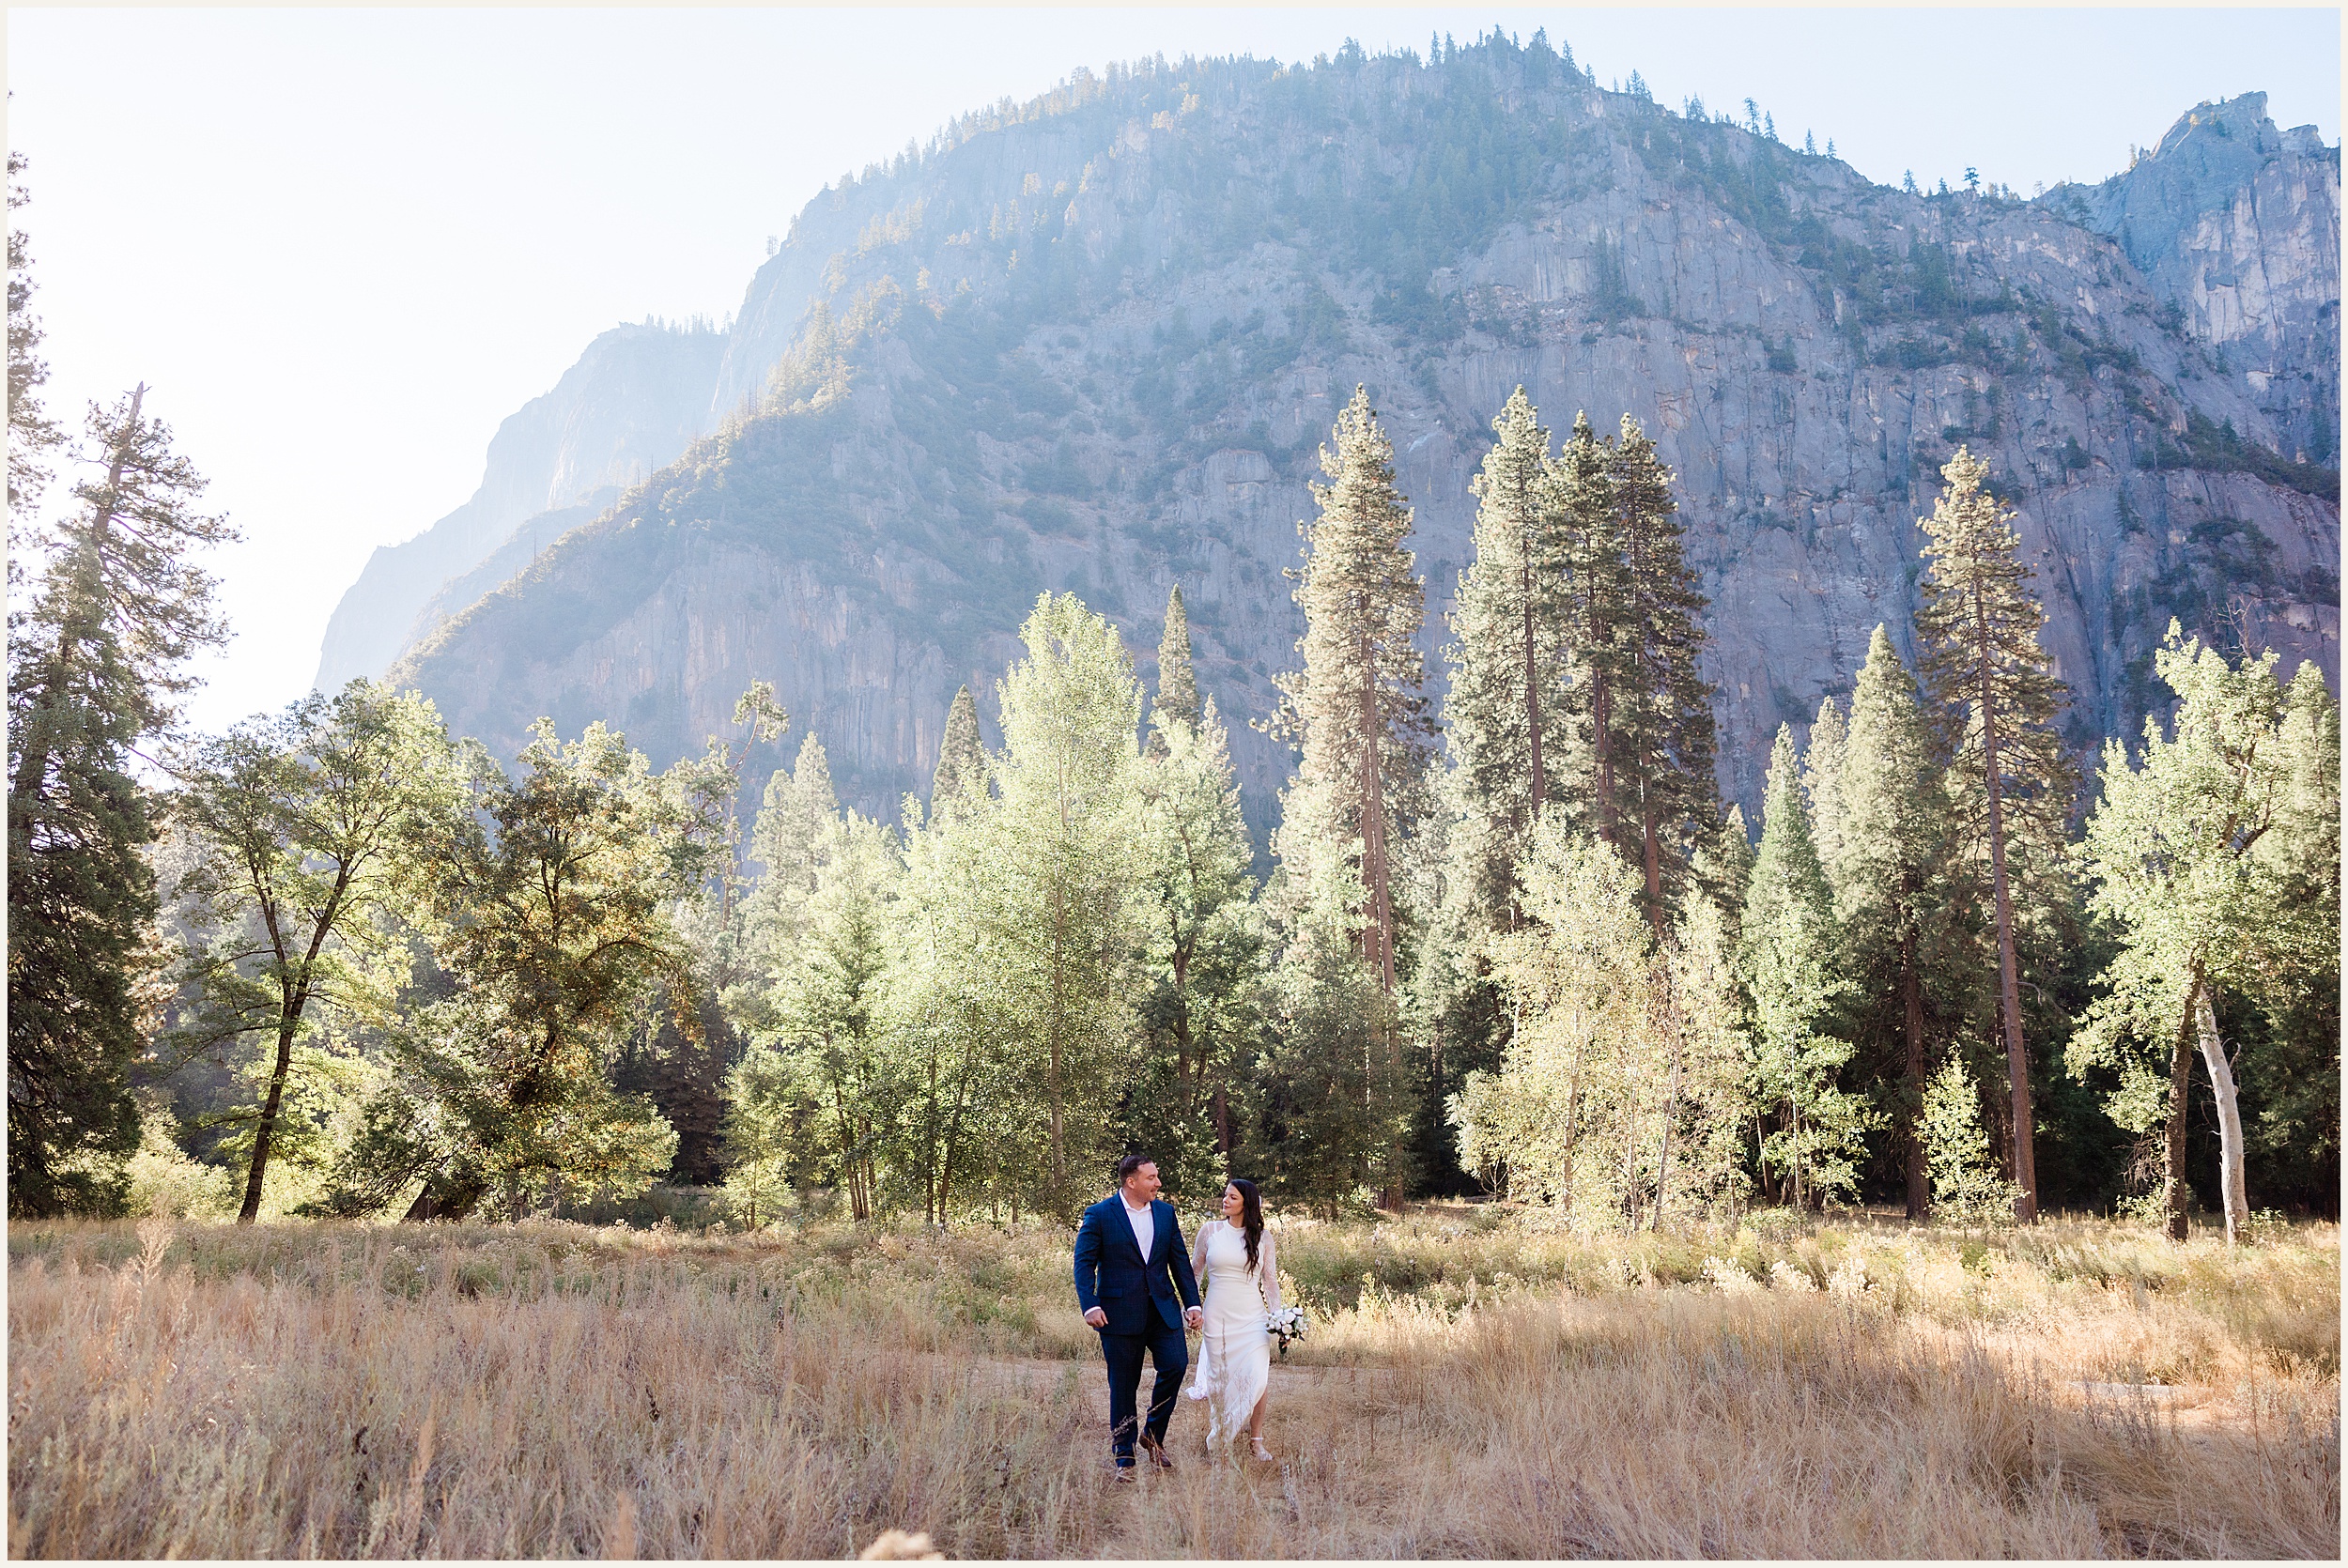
point(1143, 1298)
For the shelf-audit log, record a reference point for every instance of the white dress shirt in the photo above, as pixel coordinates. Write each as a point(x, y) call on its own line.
point(1145, 1225)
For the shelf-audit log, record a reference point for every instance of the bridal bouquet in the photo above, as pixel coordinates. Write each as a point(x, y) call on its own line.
point(1286, 1323)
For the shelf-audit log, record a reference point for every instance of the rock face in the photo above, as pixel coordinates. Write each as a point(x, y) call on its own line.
point(2236, 226)
point(1093, 343)
point(627, 407)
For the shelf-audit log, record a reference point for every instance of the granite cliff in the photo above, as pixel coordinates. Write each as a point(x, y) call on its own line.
point(1092, 342)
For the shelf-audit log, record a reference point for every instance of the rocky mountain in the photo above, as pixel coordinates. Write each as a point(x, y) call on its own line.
point(1092, 342)
point(629, 407)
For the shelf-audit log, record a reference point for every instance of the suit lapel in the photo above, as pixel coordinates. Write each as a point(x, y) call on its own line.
point(1155, 1236)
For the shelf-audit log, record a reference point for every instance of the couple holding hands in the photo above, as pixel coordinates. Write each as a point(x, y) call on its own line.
point(1139, 1287)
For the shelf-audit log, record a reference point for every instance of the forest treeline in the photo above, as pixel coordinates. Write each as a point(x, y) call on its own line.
point(339, 961)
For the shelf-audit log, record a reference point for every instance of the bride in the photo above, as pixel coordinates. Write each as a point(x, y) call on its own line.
point(1234, 1262)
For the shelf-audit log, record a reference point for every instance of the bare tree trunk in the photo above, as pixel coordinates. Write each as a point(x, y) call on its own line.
point(2180, 1082)
point(1913, 1005)
point(265, 1132)
point(1671, 1101)
point(2229, 1115)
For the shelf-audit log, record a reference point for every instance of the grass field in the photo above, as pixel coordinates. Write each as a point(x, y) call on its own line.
point(1475, 1386)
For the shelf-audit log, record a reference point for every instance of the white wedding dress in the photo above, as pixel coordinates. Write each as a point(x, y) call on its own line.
point(1234, 1361)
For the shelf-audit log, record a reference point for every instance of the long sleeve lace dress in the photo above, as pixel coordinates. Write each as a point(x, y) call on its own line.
point(1234, 1361)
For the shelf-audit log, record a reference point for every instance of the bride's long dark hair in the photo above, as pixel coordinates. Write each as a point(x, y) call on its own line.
point(1250, 1215)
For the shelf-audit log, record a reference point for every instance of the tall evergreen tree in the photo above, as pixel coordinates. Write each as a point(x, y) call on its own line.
point(94, 664)
point(1822, 782)
point(1995, 693)
point(1357, 708)
point(1788, 962)
point(1596, 596)
point(1885, 865)
point(1062, 912)
point(961, 757)
point(32, 435)
point(1665, 740)
point(1178, 682)
point(1206, 947)
point(1507, 666)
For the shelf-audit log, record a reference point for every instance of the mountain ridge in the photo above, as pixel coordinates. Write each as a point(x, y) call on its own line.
point(1214, 252)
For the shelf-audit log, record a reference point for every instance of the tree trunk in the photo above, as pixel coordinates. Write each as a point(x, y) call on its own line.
point(1912, 1005)
point(1670, 1115)
point(266, 1130)
point(1372, 808)
point(1532, 686)
point(2180, 1082)
point(1654, 860)
point(2229, 1116)
point(1601, 721)
point(452, 1203)
point(2009, 977)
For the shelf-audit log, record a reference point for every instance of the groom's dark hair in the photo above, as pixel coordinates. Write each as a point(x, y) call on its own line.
point(1131, 1163)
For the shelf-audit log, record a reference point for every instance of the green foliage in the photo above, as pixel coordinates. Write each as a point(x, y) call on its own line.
point(549, 909)
point(1966, 1186)
point(304, 829)
point(1563, 1118)
point(1786, 957)
point(2178, 850)
point(95, 662)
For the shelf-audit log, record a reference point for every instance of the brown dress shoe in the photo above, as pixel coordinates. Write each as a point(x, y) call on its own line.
point(1156, 1451)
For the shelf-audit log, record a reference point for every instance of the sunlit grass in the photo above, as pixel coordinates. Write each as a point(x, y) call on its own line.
point(1474, 1385)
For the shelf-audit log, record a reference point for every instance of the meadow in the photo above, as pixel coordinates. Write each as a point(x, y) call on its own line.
point(1476, 1386)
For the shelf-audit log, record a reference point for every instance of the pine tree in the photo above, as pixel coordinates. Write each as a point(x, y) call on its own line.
point(1822, 783)
point(94, 664)
point(961, 758)
point(1664, 715)
point(32, 435)
point(1062, 912)
point(1506, 665)
point(1178, 683)
point(794, 832)
point(1886, 869)
point(1996, 697)
point(1787, 961)
point(1357, 708)
point(1596, 595)
point(1723, 870)
point(1206, 947)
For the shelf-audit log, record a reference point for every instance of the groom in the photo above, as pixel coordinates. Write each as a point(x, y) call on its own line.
point(1130, 1262)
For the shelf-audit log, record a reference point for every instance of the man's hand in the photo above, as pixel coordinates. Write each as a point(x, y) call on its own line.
point(1194, 1315)
point(1098, 1318)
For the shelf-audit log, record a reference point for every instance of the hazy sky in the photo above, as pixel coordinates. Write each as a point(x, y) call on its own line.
point(342, 245)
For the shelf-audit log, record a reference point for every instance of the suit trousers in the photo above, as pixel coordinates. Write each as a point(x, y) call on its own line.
point(1170, 1354)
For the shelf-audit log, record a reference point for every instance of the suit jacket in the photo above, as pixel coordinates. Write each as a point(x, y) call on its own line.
point(1112, 1274)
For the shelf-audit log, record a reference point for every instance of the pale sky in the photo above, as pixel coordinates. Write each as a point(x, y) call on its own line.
point(342, 245)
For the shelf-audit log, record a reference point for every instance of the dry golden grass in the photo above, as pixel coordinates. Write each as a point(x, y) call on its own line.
point(1473, 1389)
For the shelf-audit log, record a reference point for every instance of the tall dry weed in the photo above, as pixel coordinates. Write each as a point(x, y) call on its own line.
point(556, 1390)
